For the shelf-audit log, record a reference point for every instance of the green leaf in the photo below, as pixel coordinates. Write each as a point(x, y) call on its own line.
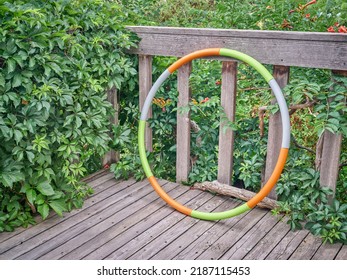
point(17, 80)
point(43, 209)
point(45, 188)
point(30, 156)
point(11, 65)
point(58, 206)
point(2, 80)
point(55, 67)
point(9, 177)
point(31, 195)
point(18, 135)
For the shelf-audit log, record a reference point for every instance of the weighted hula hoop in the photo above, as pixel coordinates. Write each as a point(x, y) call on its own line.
point(285, 134)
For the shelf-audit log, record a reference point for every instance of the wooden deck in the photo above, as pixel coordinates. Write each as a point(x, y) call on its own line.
point(127, 220)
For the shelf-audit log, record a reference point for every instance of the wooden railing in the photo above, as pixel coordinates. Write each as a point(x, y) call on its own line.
point(281, 49)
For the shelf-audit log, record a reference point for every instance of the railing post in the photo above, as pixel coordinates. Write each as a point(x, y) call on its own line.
point(226, 139)
point(281, 74)
point(328, 155)
point(145, 84)
point(330, 159)
point(183, 124)
point(112, 156)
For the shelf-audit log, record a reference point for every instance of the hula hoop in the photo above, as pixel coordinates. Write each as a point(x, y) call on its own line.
point(285, 134)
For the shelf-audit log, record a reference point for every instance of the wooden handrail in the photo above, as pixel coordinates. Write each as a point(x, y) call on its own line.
point(287, 48)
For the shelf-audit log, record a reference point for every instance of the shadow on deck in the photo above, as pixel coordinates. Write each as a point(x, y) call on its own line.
point(127, 220)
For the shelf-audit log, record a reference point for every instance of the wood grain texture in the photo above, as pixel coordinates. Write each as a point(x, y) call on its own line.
point(281, 75)
point(285, 248)
point(241, 248)
point(174, 232)
point(307, 248)
point(342, 255)
point(206, 240)
point(114, 216)
point(230, 238)
point(226, 137)
point(129, 227)
point(128, 220)
point(117, 247)
point(17, 238)
point(329, 162)
point(160, 229)
point(199, 229)
point(145, 84)
point(97, 181)
point(266, 244)
point(327, 251)
point(306, 49)
point(183, 124)
point(112, 97)
point(60, 233)
point(243, 194)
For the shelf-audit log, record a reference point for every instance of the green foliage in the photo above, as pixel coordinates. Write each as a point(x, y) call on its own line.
point(298, 188)
point(57, 59)
point(256, 15)
point(307, 204)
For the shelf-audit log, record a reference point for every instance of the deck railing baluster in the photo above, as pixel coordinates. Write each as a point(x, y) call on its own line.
point(112, 156)
point(183, 164)
point(145, 84)
point(226, 138)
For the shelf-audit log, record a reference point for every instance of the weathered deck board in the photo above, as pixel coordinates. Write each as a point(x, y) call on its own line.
point(230, 238)
point(203, 242)
point(112, 216)
point(251, 238)
point(287, 246)
point(198, 230)
point(327, 251)
point(54, 220)
point(265, 246)
point(307, 248)
point(71, 226)
point(157, 230)
point(127, 220)
point(342, 255)
point(157, 245)
point(130, 224)
point(95, 180)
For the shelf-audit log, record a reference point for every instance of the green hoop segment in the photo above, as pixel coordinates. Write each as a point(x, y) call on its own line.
point(285, 134)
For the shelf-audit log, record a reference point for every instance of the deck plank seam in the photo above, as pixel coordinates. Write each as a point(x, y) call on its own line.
point(167, 217)
point(226, 202)
point(190, 225)
point(67, 219)
point(88, 218)
point(128, 228)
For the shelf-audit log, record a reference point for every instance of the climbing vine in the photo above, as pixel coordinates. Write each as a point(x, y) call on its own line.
point(57, 59)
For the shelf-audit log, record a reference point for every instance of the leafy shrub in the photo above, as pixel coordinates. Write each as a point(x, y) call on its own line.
point(57, 59)
point(302, 198)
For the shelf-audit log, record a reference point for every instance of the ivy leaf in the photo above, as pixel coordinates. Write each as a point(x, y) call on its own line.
point(11, 65)
point(30, 156)
point(43, 209)
point(55, 67)
point(18, 135)
point(58, 206)
point(2, 80)
point(31, 195)
point(17, 80)
point(10, 174)
point(45, 188)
